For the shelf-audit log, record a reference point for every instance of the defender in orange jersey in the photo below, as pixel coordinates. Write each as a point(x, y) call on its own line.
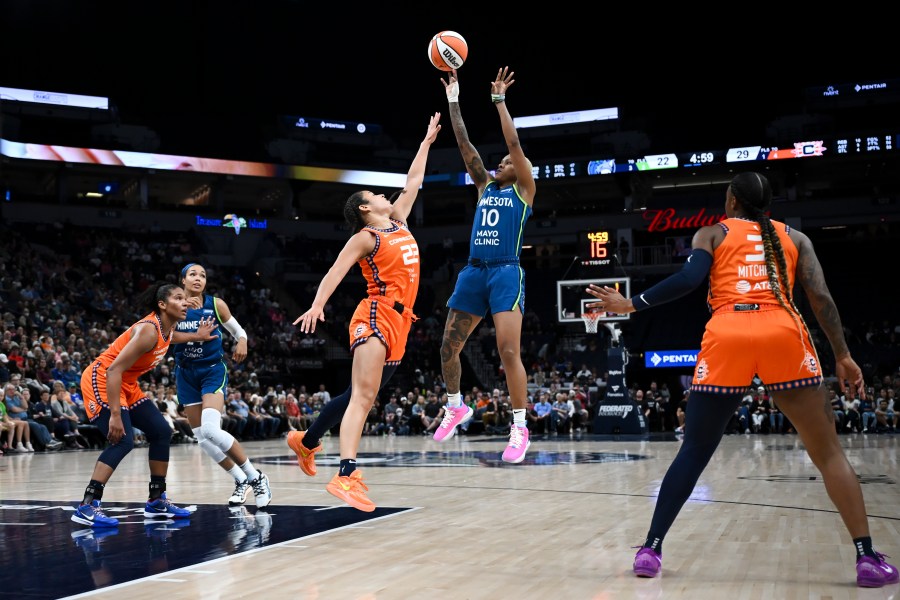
point(114, 402)
point(388, 255)
point(757, 329)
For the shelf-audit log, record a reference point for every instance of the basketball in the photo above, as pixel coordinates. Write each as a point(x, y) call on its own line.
point(447, 50)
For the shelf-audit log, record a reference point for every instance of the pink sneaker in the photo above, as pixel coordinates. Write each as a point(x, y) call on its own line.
point(518, 445)
point(453, 418)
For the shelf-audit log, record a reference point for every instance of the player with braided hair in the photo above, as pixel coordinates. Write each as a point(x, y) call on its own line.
point(756, 329)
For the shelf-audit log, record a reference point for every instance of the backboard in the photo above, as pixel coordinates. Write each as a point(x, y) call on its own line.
point(571, 299)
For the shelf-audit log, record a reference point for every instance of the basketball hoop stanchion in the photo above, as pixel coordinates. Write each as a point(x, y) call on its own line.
point(617, 412)
point(615, 333)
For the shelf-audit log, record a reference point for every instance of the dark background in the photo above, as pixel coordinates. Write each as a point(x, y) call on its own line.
point(210, 77)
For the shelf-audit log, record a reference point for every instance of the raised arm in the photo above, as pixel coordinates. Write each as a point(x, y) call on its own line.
point(524, 176)
point(470, 155)
point(404, 202)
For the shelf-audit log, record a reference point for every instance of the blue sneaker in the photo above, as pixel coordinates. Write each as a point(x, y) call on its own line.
point(161, 507)
point(93, 516)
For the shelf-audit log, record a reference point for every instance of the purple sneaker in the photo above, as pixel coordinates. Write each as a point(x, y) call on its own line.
point(647, 563)
point(874, 573)
point(453, 418)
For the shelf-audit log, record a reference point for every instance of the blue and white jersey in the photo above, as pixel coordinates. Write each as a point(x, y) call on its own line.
point(206, 352)
point(500, 217)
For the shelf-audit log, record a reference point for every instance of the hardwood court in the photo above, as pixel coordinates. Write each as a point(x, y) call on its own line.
point(560, 525)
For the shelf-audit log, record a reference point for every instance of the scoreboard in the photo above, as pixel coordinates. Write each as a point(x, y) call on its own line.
point(698, 158)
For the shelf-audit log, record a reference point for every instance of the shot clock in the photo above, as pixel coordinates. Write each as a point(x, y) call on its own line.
point(596, 249)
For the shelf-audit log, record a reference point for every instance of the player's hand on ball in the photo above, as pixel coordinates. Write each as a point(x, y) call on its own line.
point(451, 86)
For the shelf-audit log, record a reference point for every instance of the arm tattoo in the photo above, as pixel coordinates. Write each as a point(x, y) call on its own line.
point(809, 273)
point(476, 166)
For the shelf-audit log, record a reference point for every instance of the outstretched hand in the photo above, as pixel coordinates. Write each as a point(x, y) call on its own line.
point(307, 320)
point(433, 127)
point(503, 81)
point(610, 300)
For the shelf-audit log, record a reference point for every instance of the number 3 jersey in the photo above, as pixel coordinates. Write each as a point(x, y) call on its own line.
point(500, 218)
point(392, 269)
point(199, 353)
point(739, 274)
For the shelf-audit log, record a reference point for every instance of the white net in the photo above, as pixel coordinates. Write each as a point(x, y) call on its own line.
point(591, 318)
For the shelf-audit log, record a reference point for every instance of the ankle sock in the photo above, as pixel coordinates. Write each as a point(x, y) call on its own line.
point(348, 465)
point(519, 417)
point(864, 547)
point(249, 470)
point(654, 543)
point(238, 474)
point(454, 400)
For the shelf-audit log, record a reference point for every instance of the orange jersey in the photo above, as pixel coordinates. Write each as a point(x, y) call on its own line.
point(392, 269)
point(738, 274)
point(93, 378)
point(145, 362)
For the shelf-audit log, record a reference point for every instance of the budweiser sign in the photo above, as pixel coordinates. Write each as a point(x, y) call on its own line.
point(665, 219)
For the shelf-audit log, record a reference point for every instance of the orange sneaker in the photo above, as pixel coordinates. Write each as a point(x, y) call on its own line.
point(306, 458)
point(351, 490)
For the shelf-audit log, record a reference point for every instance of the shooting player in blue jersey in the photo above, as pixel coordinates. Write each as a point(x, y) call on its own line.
point(492, 281)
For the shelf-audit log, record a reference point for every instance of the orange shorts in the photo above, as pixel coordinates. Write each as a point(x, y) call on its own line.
point(376, 316)
point(765, 342)
point(93, 390)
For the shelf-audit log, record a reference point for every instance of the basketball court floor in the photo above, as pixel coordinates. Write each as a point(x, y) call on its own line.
point(453, 522)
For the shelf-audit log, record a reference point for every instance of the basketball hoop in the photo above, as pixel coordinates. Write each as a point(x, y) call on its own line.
point(591, 318)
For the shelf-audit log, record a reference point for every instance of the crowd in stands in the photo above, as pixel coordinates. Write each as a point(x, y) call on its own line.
point(66, 295)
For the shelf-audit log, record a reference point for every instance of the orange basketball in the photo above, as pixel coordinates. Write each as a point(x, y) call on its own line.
point(447, 50)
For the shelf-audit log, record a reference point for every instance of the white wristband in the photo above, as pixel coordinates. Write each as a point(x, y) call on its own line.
point(453, 92)
point(234, 328)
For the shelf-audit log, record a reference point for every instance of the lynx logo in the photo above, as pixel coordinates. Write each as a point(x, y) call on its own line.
point(615, 410)
point(670, 358)
point(615, 388)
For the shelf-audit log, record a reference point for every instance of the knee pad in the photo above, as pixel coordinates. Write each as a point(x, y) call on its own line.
point(207, 446)
point(211, 428)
